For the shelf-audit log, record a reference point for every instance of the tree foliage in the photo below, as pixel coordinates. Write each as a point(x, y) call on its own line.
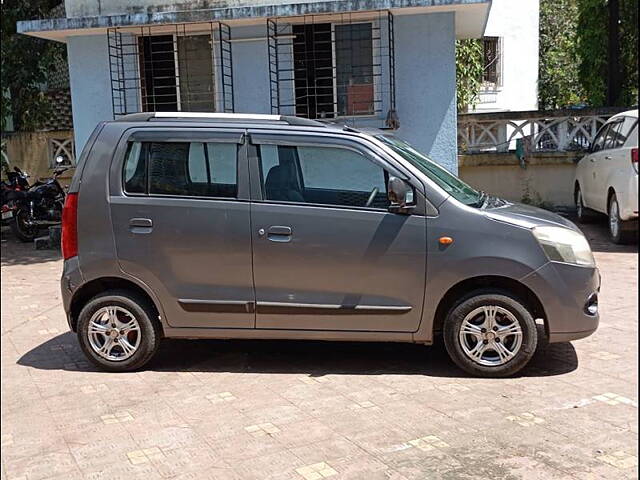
point(557, 84)
point(469, 68)
point(591, 46)
point(26, 65)
point(574, 63)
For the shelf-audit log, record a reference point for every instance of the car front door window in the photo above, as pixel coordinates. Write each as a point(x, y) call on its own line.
point(322, 175)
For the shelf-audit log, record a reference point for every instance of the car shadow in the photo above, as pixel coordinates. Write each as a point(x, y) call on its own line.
point(315, 358)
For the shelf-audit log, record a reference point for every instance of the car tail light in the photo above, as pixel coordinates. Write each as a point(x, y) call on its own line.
point(70, 226)
point(634, 158)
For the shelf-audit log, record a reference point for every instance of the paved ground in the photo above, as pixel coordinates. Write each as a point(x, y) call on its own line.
point(312, 410)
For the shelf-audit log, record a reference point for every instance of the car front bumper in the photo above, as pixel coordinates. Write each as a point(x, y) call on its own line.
point(566, 291)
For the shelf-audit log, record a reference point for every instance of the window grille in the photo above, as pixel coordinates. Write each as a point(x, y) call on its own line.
point(492, 57)
point(332, 65)
point(182, 67)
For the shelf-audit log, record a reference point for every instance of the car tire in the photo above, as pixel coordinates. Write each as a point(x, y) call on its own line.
point(583, 214)
point(138, 332)
point(474, 344)
point(620, 232)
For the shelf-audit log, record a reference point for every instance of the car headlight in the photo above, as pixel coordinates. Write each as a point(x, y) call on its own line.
point(564, 245)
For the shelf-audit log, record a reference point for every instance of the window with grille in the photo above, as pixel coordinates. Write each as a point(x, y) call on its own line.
point(492, 57)
point(328, 66)
point(185, 67)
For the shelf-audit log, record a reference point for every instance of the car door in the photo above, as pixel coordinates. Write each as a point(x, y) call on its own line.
point(180, 213)
point(327, 254)
point(605, 164)
point(591, 163)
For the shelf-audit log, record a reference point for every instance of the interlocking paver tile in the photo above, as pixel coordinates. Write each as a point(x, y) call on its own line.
point(615, 399)
point(526, 419)
point(145, 455)
point(620, 459)
point(262, 429)
point(316, 471)
point(220, 397)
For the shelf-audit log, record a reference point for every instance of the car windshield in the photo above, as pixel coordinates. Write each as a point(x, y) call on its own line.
point(442, 177)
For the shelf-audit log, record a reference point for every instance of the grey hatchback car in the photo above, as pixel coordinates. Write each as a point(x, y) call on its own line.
point(272, 227)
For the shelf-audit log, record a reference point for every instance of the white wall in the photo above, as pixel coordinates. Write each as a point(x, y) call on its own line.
point(517, 23)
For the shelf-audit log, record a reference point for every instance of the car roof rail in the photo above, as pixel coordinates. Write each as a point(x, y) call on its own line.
point(220, 117)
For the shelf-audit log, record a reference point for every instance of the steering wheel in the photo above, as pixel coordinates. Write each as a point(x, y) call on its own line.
point(372, 197)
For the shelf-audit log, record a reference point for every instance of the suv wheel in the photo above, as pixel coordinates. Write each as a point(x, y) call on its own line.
point(117, 331)
point(490, 335)
point(619, 230)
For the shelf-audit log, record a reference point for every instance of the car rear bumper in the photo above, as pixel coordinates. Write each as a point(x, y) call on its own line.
point(566, 292)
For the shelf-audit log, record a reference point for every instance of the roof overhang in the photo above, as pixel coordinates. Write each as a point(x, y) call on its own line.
point(470, 16)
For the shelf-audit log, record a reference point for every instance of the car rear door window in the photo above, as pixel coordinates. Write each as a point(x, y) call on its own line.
point(190, 169)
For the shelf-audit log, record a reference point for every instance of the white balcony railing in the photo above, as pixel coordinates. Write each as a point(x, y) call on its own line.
point(540, 131)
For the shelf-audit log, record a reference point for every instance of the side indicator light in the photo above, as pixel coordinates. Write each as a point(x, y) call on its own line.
point(445, 240)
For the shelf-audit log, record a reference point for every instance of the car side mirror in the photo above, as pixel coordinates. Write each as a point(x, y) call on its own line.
point(400, 196)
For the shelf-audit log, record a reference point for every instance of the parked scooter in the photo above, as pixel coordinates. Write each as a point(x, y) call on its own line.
point(38, 207)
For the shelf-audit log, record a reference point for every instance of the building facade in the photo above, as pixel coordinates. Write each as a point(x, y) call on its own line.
point(373, 63)
point(511, 53)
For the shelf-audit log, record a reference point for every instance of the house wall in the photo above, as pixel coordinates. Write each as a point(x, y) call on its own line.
point(90, 81)
point(517, 23)
point(424, 72)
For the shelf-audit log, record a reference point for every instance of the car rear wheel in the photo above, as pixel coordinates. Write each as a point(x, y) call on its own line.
point(619, 231)
point(118, 332)
point(490, 334)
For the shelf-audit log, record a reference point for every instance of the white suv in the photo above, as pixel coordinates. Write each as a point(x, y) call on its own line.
point(607, 177)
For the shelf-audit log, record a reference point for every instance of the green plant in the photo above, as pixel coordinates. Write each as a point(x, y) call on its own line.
point(469, 68)
point(592, 48)
point(557, 85)
point(26, 64)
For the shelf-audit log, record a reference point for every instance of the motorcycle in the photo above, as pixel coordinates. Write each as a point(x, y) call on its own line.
point(16, 182)
point(38, 207)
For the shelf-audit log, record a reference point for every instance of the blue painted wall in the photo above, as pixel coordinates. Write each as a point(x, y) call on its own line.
point(425, 82)
point(90, 85)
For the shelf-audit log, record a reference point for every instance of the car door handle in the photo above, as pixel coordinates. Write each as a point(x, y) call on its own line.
point(592, 159)
point(279, 233)
point(140, 225)
point(608, 157)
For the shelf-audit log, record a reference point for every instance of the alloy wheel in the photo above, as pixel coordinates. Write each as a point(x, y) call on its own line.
point(614, 219)
point(114, 333)
point(490, 335)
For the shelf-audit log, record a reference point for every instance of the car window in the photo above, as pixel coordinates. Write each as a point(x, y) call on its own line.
point(612, 137)
point(322, 175)
point(192, 169)
point(626, 129)
point(135, 169)
point(598, 142)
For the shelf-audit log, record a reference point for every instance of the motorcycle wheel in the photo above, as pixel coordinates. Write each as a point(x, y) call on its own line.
point(20, 229)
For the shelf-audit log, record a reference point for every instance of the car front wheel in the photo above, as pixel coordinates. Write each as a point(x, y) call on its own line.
point(490, 334)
